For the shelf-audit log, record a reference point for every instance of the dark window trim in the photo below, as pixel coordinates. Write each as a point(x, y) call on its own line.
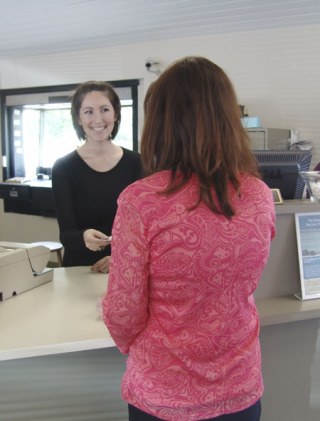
point(68, 87)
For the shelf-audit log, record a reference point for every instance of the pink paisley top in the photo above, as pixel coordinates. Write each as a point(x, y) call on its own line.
point(180, 298)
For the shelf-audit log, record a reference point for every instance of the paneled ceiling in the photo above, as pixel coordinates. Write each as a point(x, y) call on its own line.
point(45, 26)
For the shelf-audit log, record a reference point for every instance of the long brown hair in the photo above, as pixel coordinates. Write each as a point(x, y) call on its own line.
point(193, 127)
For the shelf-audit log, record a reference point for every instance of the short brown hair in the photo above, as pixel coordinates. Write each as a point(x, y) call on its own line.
point(77, 99)
point(193, 127)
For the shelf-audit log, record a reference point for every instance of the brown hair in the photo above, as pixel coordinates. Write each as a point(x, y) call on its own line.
point(77, 99)
point(193, 127)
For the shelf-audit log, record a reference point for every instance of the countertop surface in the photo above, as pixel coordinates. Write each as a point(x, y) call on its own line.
point(64, 315)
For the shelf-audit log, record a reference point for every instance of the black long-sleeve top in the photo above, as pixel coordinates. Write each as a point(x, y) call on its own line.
point(85, 198)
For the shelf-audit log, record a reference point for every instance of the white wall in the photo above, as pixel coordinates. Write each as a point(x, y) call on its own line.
point(275, 73)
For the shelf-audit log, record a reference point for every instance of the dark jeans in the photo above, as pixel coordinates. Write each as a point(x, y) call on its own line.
point(250, 414)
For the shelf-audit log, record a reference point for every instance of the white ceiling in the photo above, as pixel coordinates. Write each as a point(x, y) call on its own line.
point(45, 26)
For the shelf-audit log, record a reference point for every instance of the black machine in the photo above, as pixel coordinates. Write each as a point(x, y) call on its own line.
point(280, 170)
point(33, 197)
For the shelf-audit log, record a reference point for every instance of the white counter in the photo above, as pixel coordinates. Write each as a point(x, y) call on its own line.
point(64, 315)
point(59, 316)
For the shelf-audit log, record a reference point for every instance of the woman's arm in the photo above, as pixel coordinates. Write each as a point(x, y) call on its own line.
point(126, 302)
point(70, 234)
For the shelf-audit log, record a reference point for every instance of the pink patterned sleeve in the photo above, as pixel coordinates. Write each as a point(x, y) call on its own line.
point(125, 303)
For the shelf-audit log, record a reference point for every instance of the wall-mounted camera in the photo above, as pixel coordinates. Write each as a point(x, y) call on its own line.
point(152, 66)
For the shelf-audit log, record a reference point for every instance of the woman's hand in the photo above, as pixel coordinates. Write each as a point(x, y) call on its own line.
point(102, 265)
point(95, 240)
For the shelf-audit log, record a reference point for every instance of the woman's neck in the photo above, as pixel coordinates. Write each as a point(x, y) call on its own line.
point(100, 156)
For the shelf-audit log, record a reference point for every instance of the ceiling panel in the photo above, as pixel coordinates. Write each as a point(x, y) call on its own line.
point(42, 26)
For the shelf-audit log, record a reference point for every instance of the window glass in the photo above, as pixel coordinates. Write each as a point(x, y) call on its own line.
point(44, 133)
point(47, 134)
point(124, 137)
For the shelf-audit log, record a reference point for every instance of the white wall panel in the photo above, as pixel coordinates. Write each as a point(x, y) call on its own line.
point(85, 386)
point(80, 386)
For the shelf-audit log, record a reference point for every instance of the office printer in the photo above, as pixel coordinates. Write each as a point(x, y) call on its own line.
point(22, 267)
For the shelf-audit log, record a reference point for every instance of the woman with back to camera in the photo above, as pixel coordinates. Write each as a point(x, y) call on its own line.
point(87, 182)
point(190, 243)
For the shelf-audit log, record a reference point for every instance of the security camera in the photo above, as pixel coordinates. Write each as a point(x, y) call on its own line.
point(152, 65)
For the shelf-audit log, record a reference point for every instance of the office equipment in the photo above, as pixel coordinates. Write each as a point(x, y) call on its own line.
point(29, 197)
point(269, 139)
point(54, 247)
point(251, 122)
point(22, 267)
point(280, 170)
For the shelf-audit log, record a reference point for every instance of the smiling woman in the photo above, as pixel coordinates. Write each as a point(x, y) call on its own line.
point(38, 127)
point(86, 182)
point(37, 130)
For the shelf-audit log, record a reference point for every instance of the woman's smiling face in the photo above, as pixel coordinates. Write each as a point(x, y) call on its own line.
point(97, 116)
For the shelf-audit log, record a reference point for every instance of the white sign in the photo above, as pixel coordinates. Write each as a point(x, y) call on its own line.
point(308, 241)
